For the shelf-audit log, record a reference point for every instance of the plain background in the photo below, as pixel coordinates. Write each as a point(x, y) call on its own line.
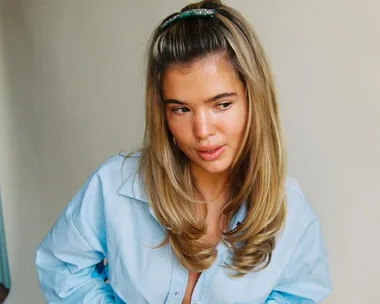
point(71, 95)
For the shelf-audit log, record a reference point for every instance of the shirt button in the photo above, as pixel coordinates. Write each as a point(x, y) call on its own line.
point(198, 302)
point(177, 294)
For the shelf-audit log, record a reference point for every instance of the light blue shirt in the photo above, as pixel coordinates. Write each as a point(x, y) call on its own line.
point(110, 218)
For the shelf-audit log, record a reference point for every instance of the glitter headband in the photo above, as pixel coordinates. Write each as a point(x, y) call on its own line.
point(197, 12)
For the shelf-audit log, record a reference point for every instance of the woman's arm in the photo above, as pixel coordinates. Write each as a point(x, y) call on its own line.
point(66, 259)
point(306, 279)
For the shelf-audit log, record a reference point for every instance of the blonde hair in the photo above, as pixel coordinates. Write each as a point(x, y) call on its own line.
point(258, 170)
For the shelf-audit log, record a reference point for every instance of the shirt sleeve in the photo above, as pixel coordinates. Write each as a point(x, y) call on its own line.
point(68, 257)
point(306, 279)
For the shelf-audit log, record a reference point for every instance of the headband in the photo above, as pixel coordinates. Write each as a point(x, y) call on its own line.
point(196, 12)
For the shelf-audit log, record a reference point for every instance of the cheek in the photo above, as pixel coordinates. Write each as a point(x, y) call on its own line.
point(178, 129)
point(173, 127)
point(234, 129)
point(170, 122)
point(236, 123)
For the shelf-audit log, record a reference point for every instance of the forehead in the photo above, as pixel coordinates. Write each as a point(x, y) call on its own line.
point(200, 79)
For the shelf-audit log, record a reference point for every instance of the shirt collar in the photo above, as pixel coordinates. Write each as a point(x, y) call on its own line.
point(239, 216)
point(132, 187)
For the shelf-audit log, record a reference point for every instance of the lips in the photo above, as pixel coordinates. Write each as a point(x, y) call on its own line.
point(210, 153)
point(208, 148)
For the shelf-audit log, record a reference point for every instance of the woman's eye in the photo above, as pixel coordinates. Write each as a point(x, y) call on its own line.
point(224, 105)
point(180, 110)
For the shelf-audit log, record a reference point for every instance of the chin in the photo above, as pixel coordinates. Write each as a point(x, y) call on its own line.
point(214, 167)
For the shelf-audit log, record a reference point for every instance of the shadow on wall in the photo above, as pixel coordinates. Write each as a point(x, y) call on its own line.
point(3, 293)
point(4, 267)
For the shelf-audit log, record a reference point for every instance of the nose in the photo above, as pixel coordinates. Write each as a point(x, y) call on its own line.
point(203, 125)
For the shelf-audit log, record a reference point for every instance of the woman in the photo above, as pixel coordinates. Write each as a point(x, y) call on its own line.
point(204, 212)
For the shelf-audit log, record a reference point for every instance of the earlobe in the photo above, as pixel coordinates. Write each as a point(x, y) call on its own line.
point(175, 143)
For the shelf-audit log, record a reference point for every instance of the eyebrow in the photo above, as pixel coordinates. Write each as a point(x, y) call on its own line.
point(209, 100)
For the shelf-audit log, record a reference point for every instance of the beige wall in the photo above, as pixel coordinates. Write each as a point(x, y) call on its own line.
point(71, 95)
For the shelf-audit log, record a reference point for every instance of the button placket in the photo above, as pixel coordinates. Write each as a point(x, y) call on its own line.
point(178, 283)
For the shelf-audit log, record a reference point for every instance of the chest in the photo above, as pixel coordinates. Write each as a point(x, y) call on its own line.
point(141, 273)
point(192, 281)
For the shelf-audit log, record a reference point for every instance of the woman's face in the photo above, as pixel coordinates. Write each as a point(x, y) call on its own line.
point(206, 111)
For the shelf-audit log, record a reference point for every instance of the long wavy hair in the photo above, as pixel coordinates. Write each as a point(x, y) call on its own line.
point(257, 174)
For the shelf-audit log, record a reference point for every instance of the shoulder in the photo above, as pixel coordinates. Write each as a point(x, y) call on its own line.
point(119, 175)
point(301, 247)
point(117, 169)
point(299, 212)
point(299, 216)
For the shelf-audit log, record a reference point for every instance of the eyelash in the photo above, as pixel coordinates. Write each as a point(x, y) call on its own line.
point(176, 110)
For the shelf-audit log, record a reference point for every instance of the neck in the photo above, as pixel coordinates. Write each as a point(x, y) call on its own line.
point(213, 186)
point(214, 189)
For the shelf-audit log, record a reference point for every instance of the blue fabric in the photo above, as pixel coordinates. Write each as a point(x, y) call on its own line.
point(110, 218)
